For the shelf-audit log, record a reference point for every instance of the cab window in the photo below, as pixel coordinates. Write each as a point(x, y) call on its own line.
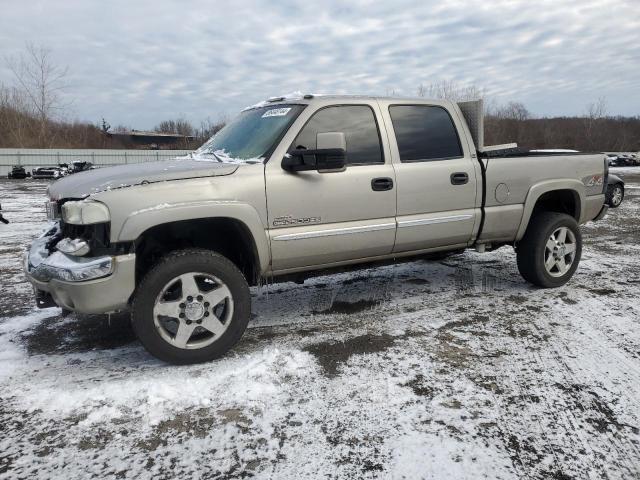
point(359, 126)
point(424, 132)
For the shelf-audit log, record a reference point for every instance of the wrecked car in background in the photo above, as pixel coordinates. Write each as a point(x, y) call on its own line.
point(18, 172)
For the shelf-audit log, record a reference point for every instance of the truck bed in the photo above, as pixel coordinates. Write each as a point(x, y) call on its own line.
point(508, 181)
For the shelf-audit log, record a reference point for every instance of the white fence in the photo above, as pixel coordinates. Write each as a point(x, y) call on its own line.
point(32, 157)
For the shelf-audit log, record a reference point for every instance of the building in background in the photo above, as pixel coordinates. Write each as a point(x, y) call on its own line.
point(152, 140)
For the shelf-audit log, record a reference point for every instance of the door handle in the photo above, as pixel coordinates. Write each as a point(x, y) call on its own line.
point(459, 178)
point(381, 184)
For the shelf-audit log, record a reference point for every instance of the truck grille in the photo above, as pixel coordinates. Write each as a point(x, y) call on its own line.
point(52, 209)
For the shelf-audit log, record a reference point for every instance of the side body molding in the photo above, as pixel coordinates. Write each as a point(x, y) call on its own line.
point(537, 190)
point(141, 220)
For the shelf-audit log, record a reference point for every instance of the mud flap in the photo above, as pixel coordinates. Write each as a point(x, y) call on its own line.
point(602, 213)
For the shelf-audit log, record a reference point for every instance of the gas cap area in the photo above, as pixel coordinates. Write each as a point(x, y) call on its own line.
point(502, 192)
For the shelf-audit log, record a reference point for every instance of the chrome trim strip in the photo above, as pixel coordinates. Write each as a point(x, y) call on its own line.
point(431, 221)
point(336, 231)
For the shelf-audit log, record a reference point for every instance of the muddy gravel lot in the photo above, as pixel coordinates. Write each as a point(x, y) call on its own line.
point(431, 369)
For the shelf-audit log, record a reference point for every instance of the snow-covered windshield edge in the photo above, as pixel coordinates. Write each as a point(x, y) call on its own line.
point(221, 156)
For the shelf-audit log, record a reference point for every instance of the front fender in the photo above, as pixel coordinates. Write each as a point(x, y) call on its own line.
point(141, 220)
point(539, 189)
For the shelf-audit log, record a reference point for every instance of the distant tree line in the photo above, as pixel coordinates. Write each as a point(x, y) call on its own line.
point(32, 112)
point(32, 116)
point(595, 130)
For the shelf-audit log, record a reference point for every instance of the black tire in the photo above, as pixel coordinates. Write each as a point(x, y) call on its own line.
point(531, 249)
point(611, 190)
point(169, 267)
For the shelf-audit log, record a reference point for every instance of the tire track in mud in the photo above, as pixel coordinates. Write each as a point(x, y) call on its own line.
point(570, 421)
point(567, 419)
point(581, 403)
point(522, 450)
point(584, 404)
point(523, 453)
point(608, 349)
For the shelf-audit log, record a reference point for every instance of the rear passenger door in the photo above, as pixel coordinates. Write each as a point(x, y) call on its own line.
point(437, 178)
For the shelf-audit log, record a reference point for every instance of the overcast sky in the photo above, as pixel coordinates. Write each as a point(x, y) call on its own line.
point(136, 62)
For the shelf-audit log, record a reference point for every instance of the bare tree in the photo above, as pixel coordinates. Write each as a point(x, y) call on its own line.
point(40, 82)
point(451, 90)
point(209, 128)
point(507, 123)
point(596, 112)
point(511, 111)
point(178, 126)
point(597, 109)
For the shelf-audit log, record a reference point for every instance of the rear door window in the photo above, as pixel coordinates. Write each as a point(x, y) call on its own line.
point(424, 133)
point(359, 126)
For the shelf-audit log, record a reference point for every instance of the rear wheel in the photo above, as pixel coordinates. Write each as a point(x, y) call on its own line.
point(549, 253)
point(615, 195)
point(193, 306)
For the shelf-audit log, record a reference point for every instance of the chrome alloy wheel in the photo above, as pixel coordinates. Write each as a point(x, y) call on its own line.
point(560, 252)
point(193, 310)
point(616, 197)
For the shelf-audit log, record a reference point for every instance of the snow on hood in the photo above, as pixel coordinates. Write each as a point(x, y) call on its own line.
point(83, 184)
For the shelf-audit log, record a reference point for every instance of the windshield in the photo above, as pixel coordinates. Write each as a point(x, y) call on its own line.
point(251, 136)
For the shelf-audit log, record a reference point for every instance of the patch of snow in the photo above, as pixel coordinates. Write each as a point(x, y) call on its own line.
point(442, 369)
point(292, 96)
point(221, 156)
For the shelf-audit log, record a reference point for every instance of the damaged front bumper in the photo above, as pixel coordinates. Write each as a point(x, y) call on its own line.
point(82, 284)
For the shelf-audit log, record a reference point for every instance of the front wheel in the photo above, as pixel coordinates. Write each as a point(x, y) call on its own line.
point(192, 306)
point(549, 253)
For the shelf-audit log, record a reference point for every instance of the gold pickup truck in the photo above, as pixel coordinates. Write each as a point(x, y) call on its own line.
point(294, 186)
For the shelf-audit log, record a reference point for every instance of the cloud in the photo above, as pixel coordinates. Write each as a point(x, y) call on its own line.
point(136, 63)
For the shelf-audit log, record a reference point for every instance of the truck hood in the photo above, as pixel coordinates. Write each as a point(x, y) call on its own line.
point(83, 184)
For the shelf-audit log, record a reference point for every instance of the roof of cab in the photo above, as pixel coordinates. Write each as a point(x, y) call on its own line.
point(306, 98)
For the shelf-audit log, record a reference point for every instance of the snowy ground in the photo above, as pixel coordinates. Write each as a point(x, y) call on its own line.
point(452, 369)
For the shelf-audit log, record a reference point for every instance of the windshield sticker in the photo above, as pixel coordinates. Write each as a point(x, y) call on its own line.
point(276, 112)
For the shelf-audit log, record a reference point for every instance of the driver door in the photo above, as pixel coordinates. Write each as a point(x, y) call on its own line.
point(328, 217)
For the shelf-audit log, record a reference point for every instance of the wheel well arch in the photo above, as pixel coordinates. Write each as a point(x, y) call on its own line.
point(561, 201)
point(228, 236)
point(562, 197)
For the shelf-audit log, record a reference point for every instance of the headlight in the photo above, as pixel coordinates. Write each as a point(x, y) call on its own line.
point(85, 212)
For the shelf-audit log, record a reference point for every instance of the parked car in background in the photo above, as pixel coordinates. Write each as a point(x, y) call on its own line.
point(80, 166)
point(625, 160)
point(47, 172)
point(76, 166)
point(18, 172)
point(615, 191)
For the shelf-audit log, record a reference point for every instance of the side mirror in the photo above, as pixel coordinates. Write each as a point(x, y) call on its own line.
point(330, 154)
